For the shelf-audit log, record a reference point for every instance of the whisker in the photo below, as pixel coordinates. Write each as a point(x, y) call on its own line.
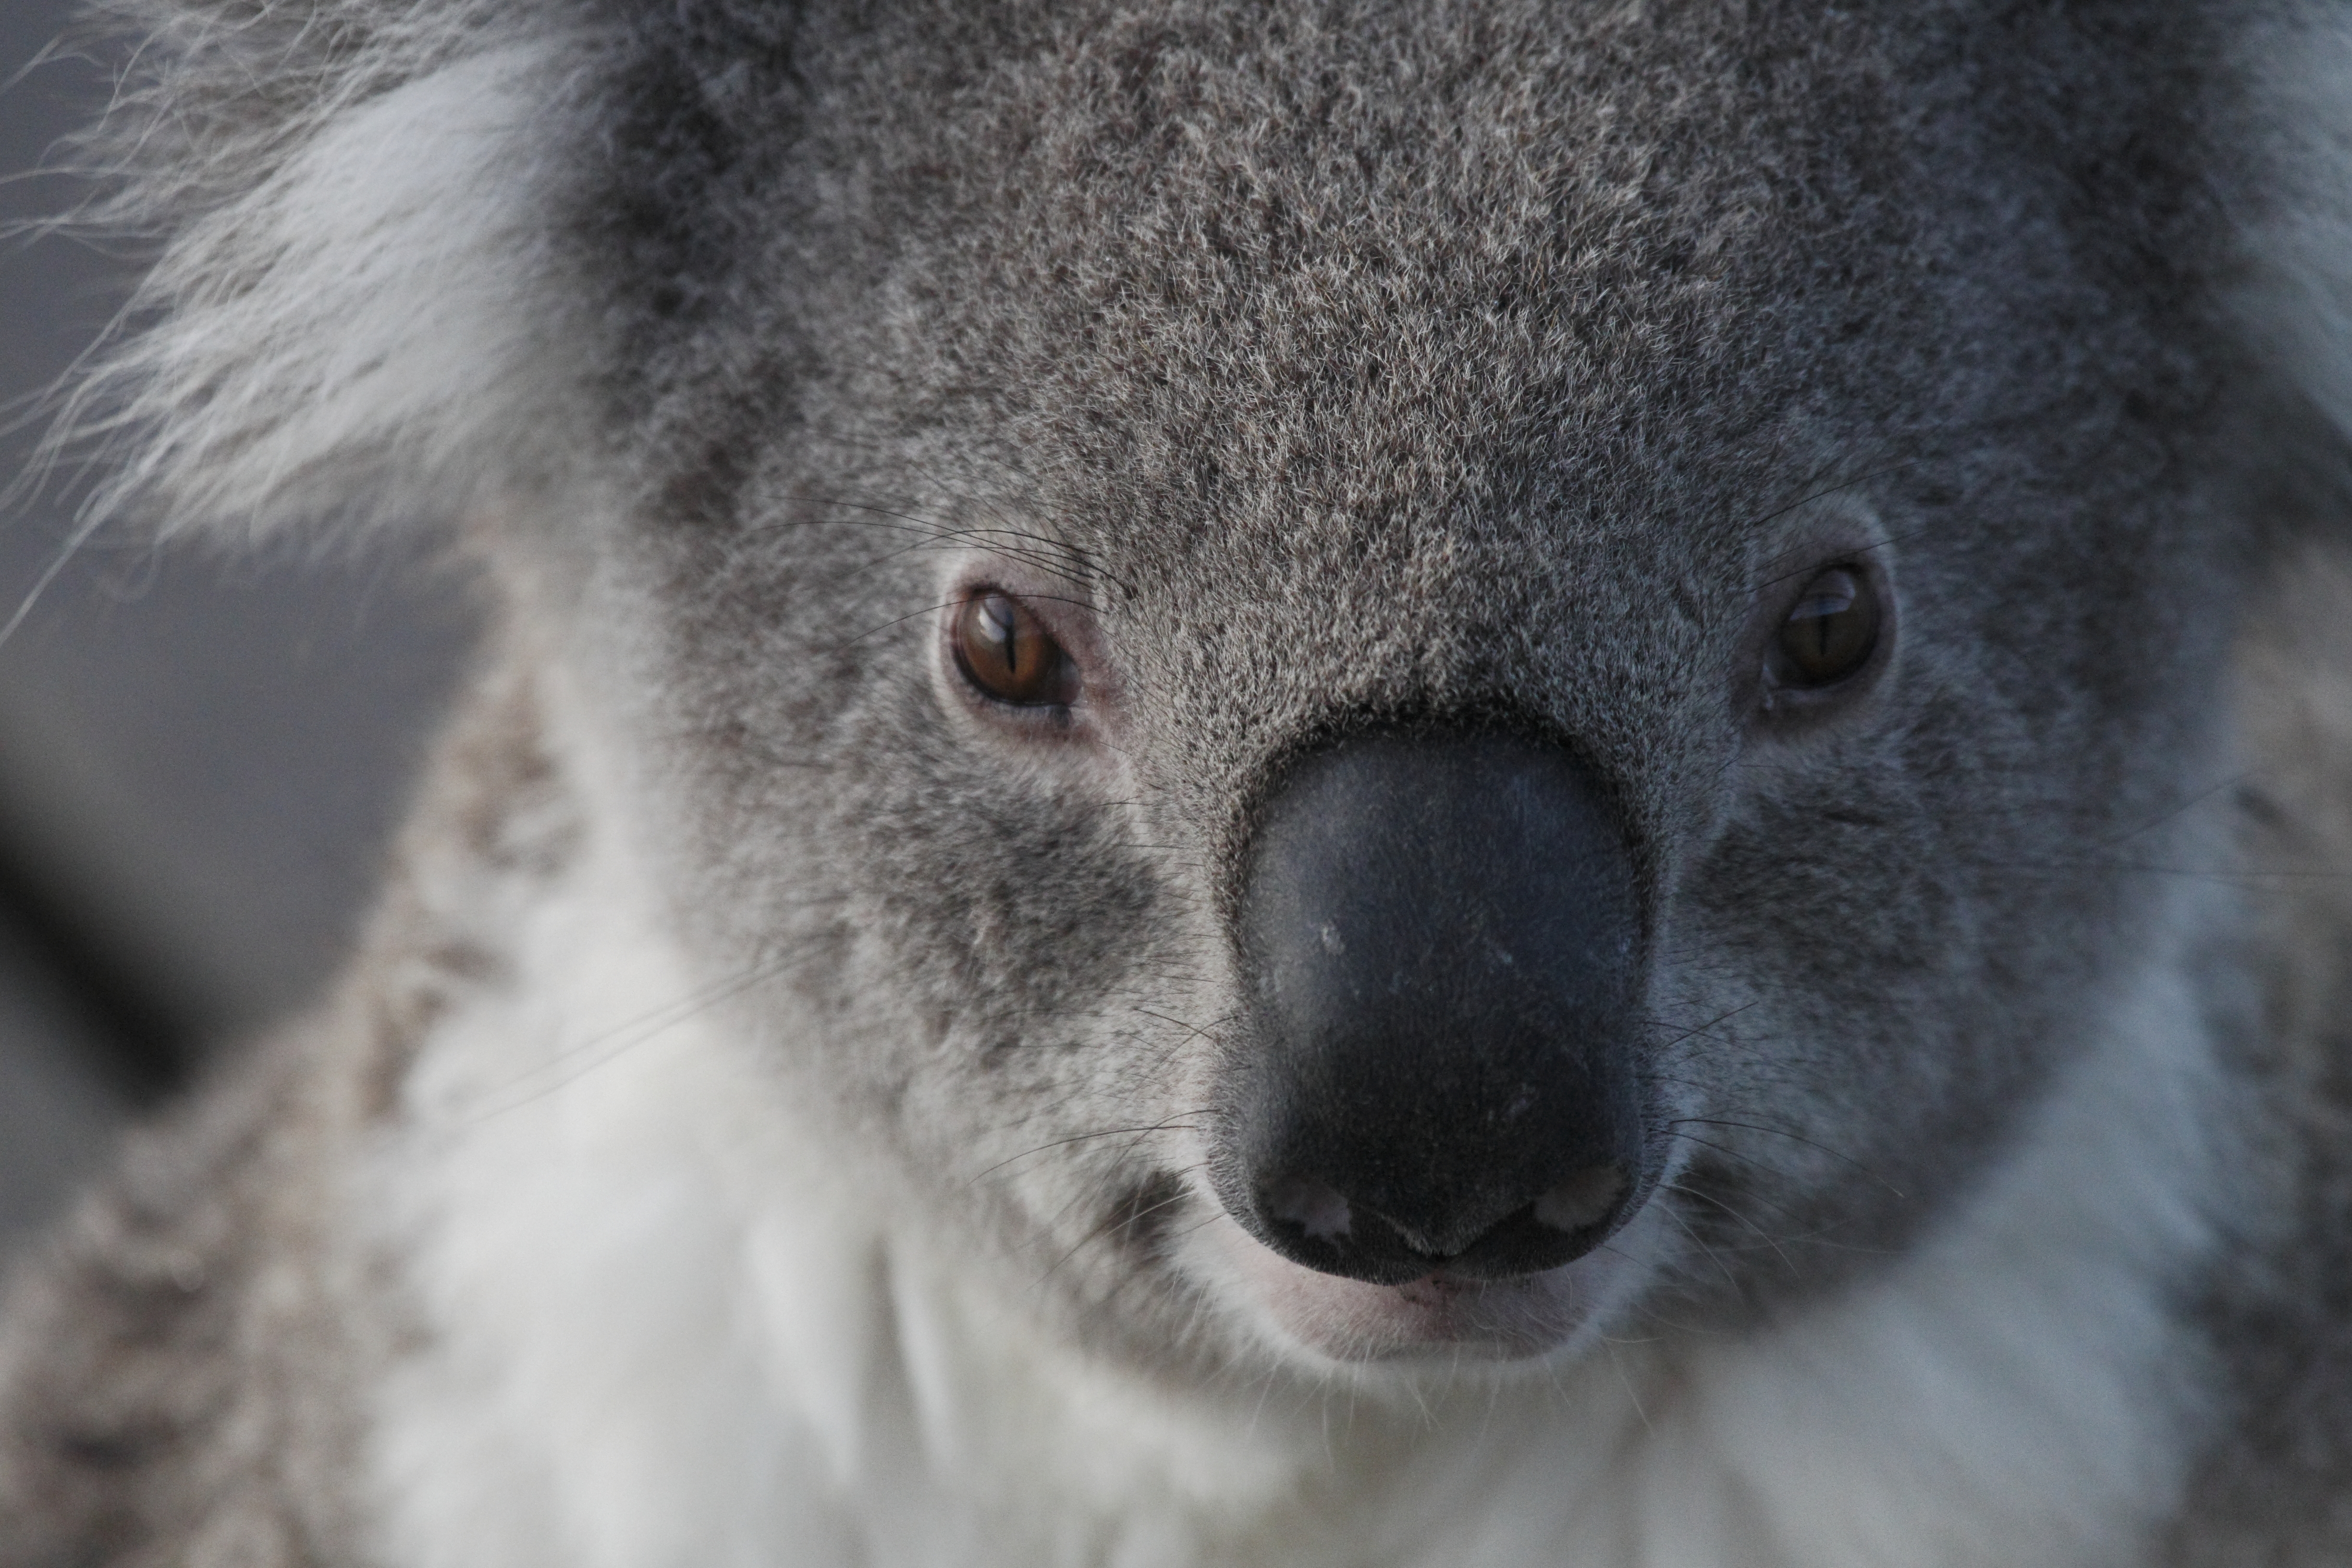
point(1793, 1137)
point(1169, 1126)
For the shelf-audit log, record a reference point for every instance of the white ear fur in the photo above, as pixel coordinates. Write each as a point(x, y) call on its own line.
point(356, 336)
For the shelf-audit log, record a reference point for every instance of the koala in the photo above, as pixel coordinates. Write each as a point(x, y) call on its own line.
point(1330, 781)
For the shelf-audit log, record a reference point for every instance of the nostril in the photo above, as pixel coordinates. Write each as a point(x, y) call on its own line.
point(1584, 1199)
point(1311, 1221)
point(1315, 1207)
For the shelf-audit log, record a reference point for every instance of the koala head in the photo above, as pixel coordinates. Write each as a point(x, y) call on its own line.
point(1395, 683)
point(1360, 682)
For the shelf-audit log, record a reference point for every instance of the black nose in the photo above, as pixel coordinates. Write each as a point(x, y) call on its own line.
point(1441, 939)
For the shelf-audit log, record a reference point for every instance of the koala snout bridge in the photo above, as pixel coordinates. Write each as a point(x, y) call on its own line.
point(1441, 940)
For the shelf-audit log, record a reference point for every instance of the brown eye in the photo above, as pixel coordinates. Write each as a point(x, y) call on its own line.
point(1831, 629)
point(1005, 651)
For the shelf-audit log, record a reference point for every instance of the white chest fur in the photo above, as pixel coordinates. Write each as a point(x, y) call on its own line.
point(660, 1333)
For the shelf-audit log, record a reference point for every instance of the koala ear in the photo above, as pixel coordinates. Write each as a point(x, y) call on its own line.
point(2293, 194)
point(342, 319)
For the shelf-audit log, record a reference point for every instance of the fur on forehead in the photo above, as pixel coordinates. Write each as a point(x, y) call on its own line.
point(1196, 246)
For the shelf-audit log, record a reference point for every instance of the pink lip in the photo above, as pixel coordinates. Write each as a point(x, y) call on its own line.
point(1435, 1315)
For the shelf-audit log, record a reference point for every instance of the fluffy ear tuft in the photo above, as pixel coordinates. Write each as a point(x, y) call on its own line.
point(347, 317)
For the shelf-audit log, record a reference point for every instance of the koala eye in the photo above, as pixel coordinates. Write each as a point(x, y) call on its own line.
point(1003, 650)
point(1830, 630)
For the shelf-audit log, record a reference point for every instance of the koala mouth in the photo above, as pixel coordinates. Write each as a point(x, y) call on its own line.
point(1441, 1315)
point(1439, 1097)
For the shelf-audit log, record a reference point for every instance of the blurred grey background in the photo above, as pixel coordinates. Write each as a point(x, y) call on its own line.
point(201, 757)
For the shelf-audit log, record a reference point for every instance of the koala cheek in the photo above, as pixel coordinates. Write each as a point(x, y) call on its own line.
point(1038, 939)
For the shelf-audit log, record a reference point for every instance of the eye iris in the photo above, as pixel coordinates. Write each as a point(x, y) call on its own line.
point(1830, 630)
point(1006, 653)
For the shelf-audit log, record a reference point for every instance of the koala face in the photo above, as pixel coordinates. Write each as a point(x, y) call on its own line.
point(1372, 686)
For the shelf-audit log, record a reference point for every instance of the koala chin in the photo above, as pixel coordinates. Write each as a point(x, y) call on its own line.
point(1398, 782)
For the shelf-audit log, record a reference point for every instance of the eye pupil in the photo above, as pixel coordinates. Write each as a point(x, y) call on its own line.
point(997, 637)
point(1006, 652)
point(1830, 630)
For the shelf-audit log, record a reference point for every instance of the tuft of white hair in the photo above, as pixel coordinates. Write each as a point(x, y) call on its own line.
point(348, 314)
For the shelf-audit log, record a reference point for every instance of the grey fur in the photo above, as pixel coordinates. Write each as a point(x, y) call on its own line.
point(1335, 362)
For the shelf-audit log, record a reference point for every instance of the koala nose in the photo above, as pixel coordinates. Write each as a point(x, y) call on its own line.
point(1440, 936)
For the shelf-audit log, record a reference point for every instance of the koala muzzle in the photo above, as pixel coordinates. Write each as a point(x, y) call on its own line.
point(1441, 938)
